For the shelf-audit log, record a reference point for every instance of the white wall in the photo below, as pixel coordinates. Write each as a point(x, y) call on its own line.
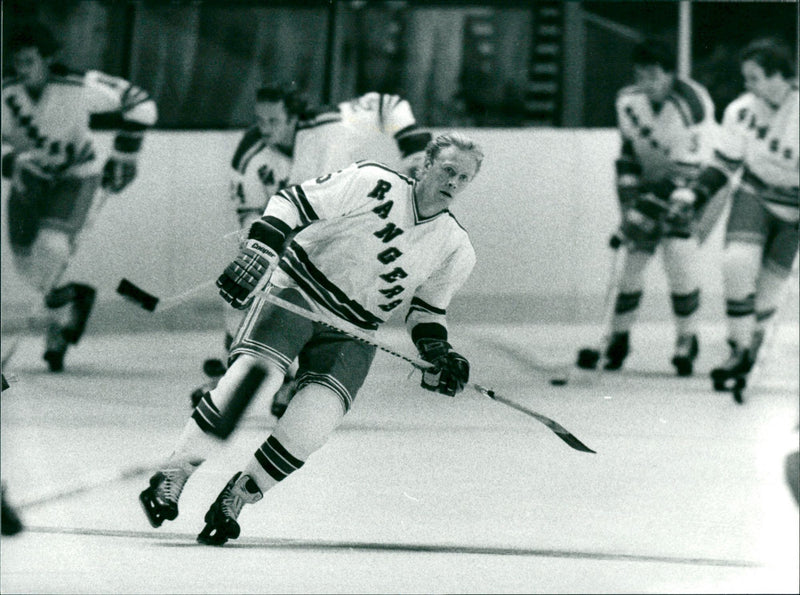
point(539, 213)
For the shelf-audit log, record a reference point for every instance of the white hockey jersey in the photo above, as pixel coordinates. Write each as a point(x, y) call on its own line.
point(364, 252)
point(765, 140)
point(257, 172)
point(363, 128)
point(671, 141)
point(56, 127)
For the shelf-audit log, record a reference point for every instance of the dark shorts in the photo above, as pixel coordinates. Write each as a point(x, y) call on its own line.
point(750, 222)
point(61, 204)
point(326, 357)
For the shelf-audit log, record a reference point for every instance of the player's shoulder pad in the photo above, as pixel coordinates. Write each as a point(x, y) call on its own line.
point(319, 116)
point(370, 167)
point(688, 96)
point(628, 92)
point(251, 136)
point(737, 110)
point(59, 73)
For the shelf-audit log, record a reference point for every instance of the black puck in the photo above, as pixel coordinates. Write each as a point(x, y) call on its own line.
point(558, 381)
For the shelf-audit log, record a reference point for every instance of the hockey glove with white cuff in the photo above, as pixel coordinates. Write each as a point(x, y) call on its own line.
point(641, 223)
point(248, 273)
point(681, 213)
point(119, 171)
point(451, 370)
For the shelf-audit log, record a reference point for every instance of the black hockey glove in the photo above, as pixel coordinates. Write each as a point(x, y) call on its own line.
point(681, 213)
point(249, 272)
point(451, 370)
point(641, 224)
point(118, 172)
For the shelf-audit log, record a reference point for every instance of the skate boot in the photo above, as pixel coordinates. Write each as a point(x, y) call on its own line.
point(82, 302)
point(214, 369)
point(686, 350)
point(732, 374)
point(55, 348)
point(10, 523)
point(617, 350)
point(221, 518)
point(283, 397)
point(160, 500)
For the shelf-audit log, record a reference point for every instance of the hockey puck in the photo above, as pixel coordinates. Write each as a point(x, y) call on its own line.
point(137, 295)
point(558, 381)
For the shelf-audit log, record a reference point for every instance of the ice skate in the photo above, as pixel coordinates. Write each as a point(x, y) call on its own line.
point(686, 350)
point(55, 348)
point(283, 397)
point(732, 374)
point(221, 518)
point(160, 500)
point(10, 523)
point(617, 350)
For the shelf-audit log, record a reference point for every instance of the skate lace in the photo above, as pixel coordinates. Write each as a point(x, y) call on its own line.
point(172, 484)
point(237, 496)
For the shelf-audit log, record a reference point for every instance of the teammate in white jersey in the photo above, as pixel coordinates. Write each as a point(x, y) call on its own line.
point(372, 243)
point(291, 143)
point(50, 157)
point(760, 131)
point(667, 126)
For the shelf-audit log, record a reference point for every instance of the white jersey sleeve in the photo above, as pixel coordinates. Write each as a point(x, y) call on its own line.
point(111, 94)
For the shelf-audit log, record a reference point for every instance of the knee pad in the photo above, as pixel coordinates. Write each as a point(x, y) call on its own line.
point(741, 264)
point(314, 413)
point(47, 259)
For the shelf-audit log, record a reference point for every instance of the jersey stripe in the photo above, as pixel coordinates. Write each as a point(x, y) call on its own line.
point(297, 196)
point(297, 265)
point(684, 94)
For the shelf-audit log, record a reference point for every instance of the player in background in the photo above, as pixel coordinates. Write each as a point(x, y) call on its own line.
point(667, 126)
point(50, 158)
point(291, 143)
point(759, 136)
point(371, 243)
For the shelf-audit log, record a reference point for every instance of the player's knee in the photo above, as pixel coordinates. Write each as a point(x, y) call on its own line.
point(312, 416)
point(740, 266)
point(48, 256)
point(235, 375)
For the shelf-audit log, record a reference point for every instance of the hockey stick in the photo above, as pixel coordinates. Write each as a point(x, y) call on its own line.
point(588, 358)
point(358, 334)
point(150, 302)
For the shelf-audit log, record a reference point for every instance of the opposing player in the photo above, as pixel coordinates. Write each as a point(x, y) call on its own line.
point(290, 143)
point(667, 126)
point(372, 242)
point(759, 137)
point(55, 172)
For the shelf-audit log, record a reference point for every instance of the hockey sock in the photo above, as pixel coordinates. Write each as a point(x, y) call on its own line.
point(684, 306)
point(272, 463)
point(625, 310)
point(741, 319)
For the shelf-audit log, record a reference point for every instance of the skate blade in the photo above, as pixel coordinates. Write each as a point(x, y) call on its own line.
point(210, 535)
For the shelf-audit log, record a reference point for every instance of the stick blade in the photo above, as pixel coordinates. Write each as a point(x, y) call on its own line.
point(137, 295)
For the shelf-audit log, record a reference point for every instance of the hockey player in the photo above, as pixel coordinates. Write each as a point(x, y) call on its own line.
point(759, 136)
point(50, 158)
point(666, 123)
point(372, 242)
point(291, 143)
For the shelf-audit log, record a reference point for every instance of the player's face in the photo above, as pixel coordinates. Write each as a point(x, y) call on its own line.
point(444, 178)
point(31, 67)
point(273, 121)
point(653, 81)
point(759, 84)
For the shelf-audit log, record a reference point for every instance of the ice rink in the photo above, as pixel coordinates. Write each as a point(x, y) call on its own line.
point(416, 492)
